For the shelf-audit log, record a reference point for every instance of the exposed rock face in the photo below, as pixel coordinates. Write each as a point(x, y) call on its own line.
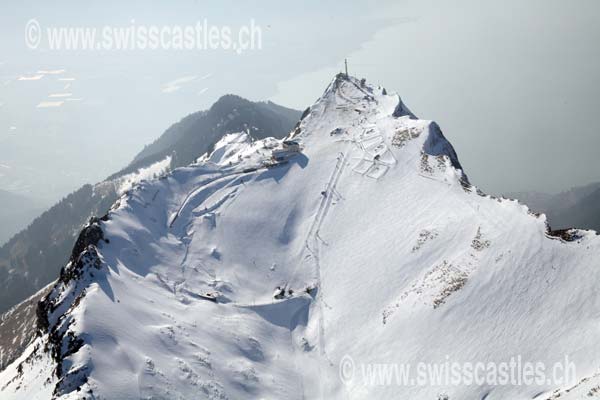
point(54, 311)
point(90, 235)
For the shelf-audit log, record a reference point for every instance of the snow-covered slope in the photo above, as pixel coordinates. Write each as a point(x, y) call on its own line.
point(239, 277)
point(34, 256)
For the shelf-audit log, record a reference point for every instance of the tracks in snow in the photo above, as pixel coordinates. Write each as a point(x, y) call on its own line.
point(312, 245)
point(203, 192)
point(197, 196)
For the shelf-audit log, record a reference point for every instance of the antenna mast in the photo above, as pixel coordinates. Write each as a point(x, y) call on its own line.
point(346, 65)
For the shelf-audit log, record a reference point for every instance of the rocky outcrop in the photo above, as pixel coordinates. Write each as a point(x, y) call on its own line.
point(55, 311)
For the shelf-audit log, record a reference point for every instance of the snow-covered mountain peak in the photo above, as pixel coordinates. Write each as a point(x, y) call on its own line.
point(345, 94)
point(254, 272)
point(354, 111)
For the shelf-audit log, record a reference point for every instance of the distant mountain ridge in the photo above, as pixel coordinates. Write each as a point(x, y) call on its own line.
point(578, 207)
point(229, 114)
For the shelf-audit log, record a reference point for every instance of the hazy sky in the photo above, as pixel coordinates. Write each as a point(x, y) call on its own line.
point(513, 84)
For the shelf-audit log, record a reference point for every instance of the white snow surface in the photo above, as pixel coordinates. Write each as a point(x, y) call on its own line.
point(126, 182)
point(403, 260)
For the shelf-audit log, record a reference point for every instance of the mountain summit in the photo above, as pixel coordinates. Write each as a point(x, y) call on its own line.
point(258, 270)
